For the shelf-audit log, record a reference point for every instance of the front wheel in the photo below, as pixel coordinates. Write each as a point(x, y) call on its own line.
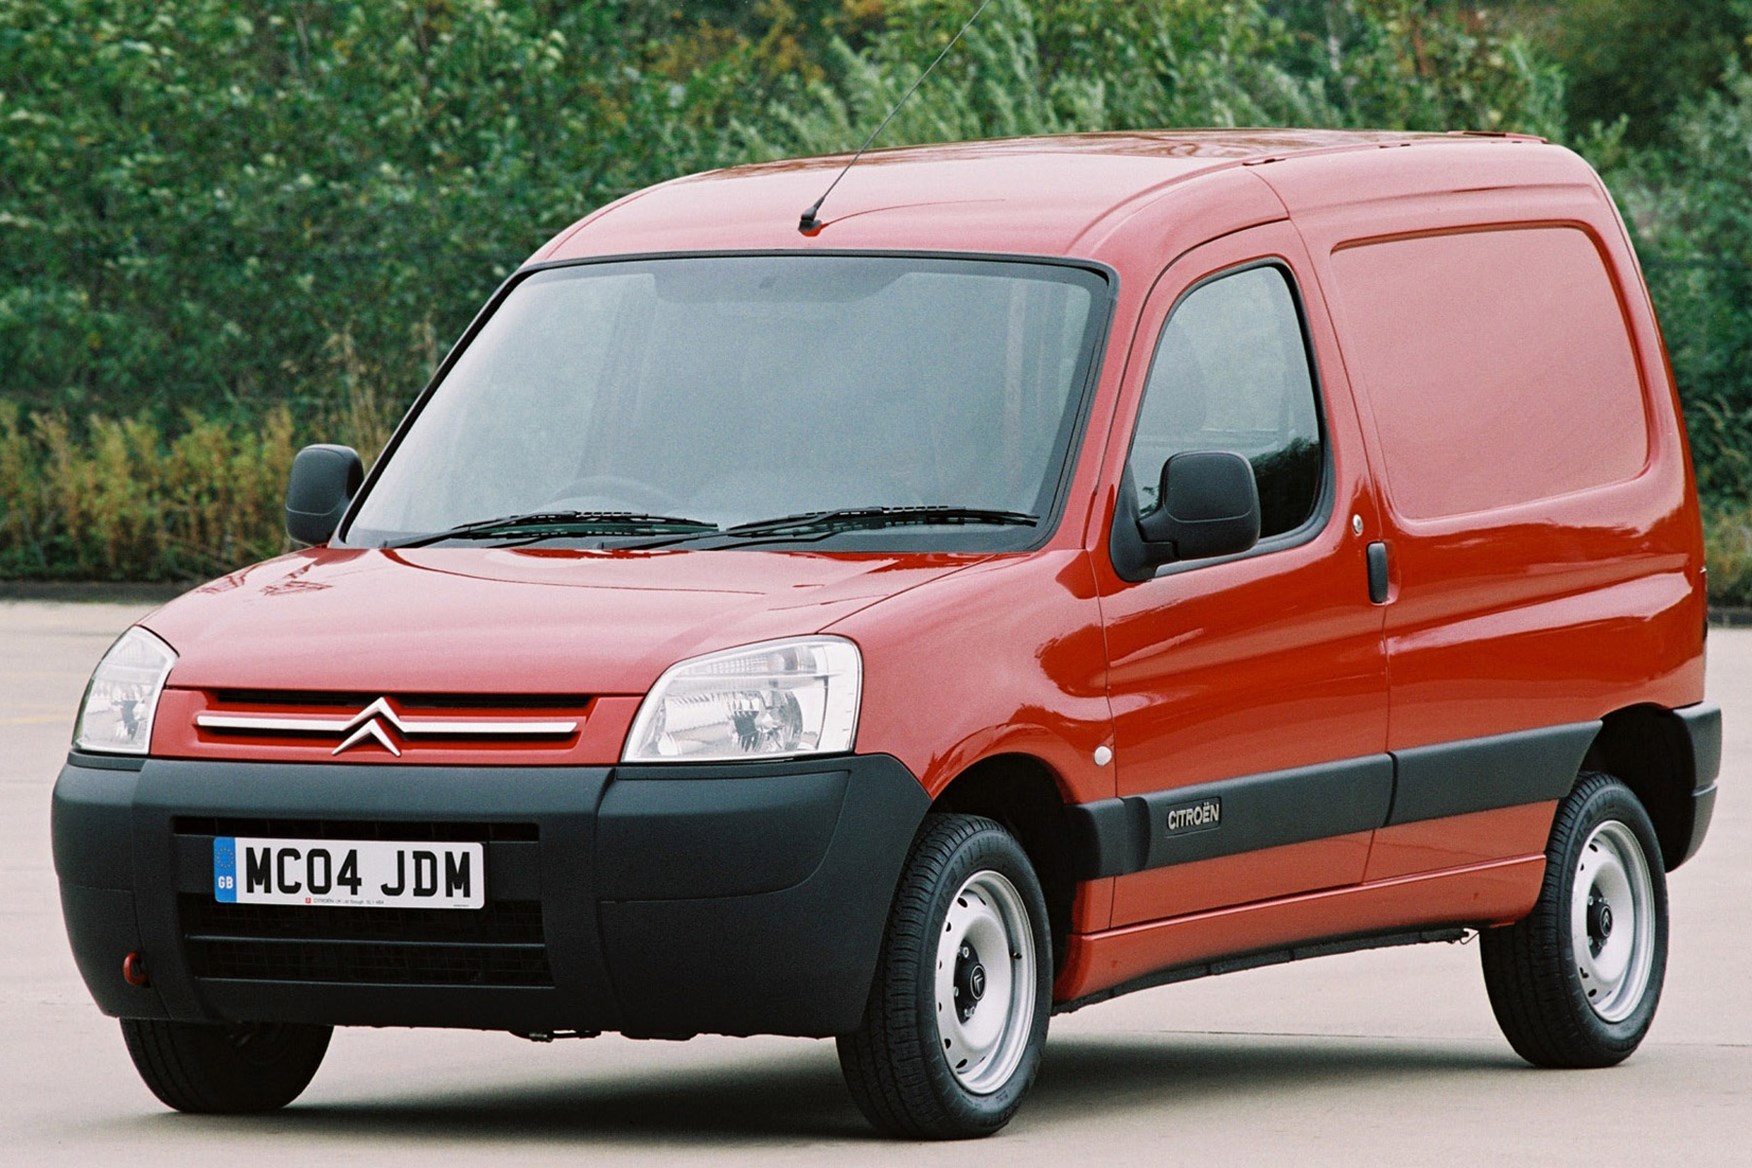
point(1576, 983)
point(224, 1070)
point(957, 1014)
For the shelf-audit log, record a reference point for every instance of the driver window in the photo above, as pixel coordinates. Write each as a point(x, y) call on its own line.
point(1231, 373)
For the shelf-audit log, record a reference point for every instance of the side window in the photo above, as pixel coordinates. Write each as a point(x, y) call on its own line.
point(1231, 373)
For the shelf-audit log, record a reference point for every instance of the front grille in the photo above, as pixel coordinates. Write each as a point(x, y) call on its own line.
point(266, 699)
point(499, 945)
point(362, 727)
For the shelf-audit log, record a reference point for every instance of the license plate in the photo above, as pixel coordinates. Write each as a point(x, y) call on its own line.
point(359, 873)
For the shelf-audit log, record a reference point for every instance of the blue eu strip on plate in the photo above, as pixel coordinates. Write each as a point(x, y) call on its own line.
point(225, 870)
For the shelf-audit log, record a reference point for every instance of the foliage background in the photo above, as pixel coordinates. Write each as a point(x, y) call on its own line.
point(227, 229)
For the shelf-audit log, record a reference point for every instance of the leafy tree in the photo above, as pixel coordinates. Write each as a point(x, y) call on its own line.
point(1690, 204)
point(210, 210)
point(1056, 65)
point(1642, 59)
point(199, 206)
point(783, 36)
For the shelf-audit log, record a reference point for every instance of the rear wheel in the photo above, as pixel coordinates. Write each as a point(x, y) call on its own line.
point(957, 1015)
point(1576, 983)
point(225, 1069)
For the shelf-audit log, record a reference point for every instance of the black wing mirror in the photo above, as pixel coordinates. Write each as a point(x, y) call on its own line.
point(324, 480)
point(1208, 506)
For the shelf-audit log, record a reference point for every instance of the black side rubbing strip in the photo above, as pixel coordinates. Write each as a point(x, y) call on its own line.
point(1130, 834)
point(1105, 838)
point(1116, 837)
point(1483, 774)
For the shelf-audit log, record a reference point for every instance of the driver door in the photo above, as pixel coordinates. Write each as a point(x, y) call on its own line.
point(1249, 691)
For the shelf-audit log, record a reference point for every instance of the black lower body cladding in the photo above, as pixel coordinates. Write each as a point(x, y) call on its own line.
point(735, 899)
point(1253, 812)
point(1703, 733)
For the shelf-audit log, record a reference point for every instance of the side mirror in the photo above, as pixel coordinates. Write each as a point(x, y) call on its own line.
point(324, 480)
point(1208, 506)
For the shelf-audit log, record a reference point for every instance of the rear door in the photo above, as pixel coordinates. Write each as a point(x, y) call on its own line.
point(1249, 693)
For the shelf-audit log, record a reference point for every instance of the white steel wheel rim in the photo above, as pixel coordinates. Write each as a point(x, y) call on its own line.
point(1612, 921)
point(984, 1020)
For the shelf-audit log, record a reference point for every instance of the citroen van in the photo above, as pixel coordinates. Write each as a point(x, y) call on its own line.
point(1055, 568)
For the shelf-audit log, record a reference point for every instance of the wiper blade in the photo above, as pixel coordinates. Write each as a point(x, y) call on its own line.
point(867, 518)
point(562, 523)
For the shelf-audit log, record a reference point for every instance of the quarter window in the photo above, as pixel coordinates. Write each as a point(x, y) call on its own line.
point(1231, 373)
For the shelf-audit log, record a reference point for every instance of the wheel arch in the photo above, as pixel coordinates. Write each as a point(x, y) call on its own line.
point(1025, 795)
point(1652, 751)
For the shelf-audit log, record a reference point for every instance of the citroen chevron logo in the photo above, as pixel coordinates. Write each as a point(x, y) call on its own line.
point(376, 722)
point(365, 725)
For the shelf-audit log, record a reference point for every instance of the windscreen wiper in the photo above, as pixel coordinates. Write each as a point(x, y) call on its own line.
point(545, 524)
point(839, 519)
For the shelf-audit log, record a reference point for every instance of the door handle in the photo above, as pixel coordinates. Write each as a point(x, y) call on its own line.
point(1378, 572)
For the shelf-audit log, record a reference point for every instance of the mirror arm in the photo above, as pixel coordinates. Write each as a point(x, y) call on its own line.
point(1134, 559)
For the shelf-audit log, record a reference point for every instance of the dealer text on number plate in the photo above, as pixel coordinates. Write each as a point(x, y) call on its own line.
point(359, 873)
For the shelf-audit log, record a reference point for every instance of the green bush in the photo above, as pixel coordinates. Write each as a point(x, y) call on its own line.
point(1690, 206)
point(194, 201)
point(221, 226)
point(1727, 532)
point(197, 198)
point(1640, 59)
point(1045, 66)
point(119, 502)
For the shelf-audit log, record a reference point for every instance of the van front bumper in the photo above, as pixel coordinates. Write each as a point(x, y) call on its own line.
point(651, 900)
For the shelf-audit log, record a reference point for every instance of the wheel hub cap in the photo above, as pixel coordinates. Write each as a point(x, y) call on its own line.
point(985, 987)
point(1599, 921)
point(970, 982)
point(1612, 921)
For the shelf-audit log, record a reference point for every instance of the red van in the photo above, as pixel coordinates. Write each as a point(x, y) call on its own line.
point(1068, 566)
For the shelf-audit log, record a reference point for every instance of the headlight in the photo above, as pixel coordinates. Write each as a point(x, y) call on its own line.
point(775, 699)
point(123, 695)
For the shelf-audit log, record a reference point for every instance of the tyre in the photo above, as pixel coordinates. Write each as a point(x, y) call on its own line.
point(223, 1070)
point(957, 1014)
point(1576, 983)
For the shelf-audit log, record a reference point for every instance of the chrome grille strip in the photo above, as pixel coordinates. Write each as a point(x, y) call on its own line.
point(369, 723)
point(293, 725)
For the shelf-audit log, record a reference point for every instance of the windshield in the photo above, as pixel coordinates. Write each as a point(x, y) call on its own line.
point(680, 397)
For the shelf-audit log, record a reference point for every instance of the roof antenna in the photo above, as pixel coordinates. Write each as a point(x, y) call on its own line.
point(809, 224)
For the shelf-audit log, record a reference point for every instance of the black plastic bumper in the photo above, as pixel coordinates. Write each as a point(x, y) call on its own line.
point(1703, 731)
point(738, 899)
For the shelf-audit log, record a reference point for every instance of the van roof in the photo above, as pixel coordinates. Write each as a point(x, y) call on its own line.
point(1041, 196)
